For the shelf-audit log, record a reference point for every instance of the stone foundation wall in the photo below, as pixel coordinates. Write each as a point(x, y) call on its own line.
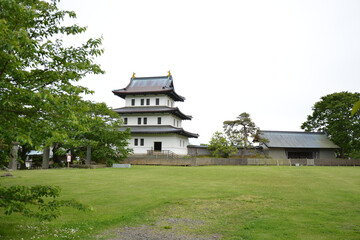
point(239, 161)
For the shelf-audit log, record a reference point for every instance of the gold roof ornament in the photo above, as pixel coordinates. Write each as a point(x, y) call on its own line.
point(169, 73)
point(133, 76)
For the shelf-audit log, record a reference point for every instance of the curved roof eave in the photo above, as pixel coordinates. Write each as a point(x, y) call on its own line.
point(160, 130)
point(170, 93)
point(135, 110)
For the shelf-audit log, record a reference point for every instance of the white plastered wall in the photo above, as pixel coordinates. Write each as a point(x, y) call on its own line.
point(152, 120)
point(172, 142)
point(163, 100)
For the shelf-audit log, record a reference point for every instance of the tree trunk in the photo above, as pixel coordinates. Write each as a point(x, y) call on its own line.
point(56, 157)
point(14, 156)
point(245, 142)
point(341, 153)
point(88, 155)
point(46, 156)
point(25, 149)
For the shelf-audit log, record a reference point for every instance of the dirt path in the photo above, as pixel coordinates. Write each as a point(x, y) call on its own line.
point(169, 229)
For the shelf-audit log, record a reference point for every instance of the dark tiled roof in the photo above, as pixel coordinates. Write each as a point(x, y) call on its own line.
point(283, 139)
point(159, 109)
point(160, 129)
point(150, 85)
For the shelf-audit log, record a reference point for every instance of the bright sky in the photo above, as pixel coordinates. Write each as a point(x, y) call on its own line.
point(272, 59)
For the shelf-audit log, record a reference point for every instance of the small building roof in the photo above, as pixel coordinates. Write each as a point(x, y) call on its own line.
point(284, 139)
point(150, 85)
point(159, 130)
point(159, 109)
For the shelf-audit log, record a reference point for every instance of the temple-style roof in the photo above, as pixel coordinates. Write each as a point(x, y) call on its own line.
point(159, 109)
point(150, 85)
point(282, 139)
point(160, 129)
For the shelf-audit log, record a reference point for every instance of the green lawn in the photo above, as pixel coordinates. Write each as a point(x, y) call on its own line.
point(237, 202)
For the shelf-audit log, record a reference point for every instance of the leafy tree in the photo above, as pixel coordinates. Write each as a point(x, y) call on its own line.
point(108, 144)
point(220, 146)
point(40, 103)
point(332, 114)
point(241, 130)
point(22, 199)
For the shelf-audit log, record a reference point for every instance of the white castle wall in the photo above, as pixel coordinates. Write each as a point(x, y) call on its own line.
point(163, 100)
point(173, 142)
point(152, 119)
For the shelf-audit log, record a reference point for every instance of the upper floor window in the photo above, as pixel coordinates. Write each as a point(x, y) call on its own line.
point(142, 102)
point(132, 102)
point(145, 120)
point(125, 120)
point(139, 120)
point(157, 101)
point(148, 101)
point(159, 120)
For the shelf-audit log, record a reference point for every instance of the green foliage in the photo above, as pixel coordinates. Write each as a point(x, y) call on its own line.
point(108, 144)
point(40, 103)
point(332, 114)
point(31, 201)
point(240, 131)
point(37, 72)
point(220, 146)
point(355, 155)
point(4, 153)
point(355, 108)
point(237, 134)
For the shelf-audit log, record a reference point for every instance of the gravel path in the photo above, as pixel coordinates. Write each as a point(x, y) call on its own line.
point(169, 229)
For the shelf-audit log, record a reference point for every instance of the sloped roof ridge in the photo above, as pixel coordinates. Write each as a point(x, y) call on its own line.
point(169, 77)
point(279, 131)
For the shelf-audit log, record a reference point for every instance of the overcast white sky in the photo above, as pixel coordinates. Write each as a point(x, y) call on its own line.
point(272, 59)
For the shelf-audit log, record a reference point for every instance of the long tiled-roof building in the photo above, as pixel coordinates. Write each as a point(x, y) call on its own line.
point(310, 145)
point(151, 115)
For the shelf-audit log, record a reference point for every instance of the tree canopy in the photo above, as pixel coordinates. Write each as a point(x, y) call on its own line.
point(332, 114)
point(238, 133)
point(220, 146)
point(242, 130)
point(40, 103)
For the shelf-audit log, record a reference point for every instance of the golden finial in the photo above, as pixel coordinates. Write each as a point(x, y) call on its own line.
point(169, 73)
point(133, 76)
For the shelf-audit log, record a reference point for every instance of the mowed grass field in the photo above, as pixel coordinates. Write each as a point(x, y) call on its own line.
point(234, 202)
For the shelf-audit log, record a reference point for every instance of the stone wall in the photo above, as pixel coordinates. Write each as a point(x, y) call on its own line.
point(238, 161)
point(274, 153)
point(196, 151)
